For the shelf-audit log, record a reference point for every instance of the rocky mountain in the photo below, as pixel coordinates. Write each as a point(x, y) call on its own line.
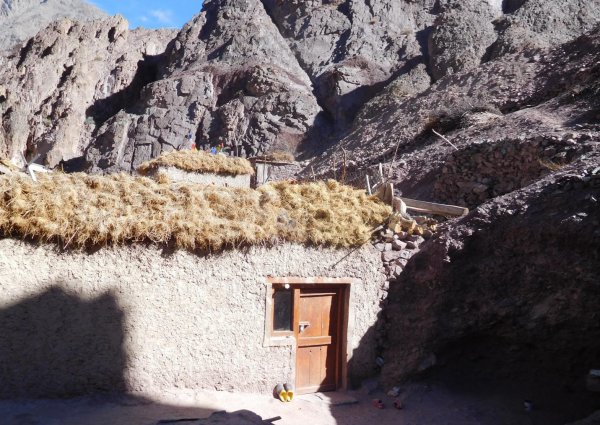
point(488, 104)
point(63, 82)
point(22, 19)
point(262, 75)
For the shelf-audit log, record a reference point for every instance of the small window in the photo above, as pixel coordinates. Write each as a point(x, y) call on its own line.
point(282, 309)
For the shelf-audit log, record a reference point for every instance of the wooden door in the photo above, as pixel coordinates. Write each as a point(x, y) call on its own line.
point(317, 329)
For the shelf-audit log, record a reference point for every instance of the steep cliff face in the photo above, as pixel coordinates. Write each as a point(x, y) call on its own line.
point(227, 78)
point(66, 80)
point(21, 19)
point(351, 49)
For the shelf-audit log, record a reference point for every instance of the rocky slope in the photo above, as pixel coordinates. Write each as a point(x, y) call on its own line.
point(21, 19)
point(513, 287)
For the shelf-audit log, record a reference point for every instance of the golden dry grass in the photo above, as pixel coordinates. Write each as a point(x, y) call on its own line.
point(550, 165)
point(84, 210)
point(8, 164)
point(199, 162)
point(277, 156)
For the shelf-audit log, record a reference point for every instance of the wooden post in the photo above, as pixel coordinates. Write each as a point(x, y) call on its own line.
point(368, 185)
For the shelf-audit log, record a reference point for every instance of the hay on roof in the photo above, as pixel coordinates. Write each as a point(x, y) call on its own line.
point(276, 156)
point(84, 210)
point(8, 166)
point(198, 162)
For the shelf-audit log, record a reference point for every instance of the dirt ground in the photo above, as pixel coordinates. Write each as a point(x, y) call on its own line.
point(426, 403)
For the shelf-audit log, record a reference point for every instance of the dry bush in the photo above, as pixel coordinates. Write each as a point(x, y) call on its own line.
point(550, 165)
point(84, 210)
point(199, 162)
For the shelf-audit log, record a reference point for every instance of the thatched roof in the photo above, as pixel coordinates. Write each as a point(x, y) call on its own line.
point(86, 210)
point(275, 156)
point(7, 167)
point(199, 162)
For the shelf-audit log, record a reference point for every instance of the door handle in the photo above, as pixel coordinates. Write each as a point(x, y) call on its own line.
point(303, 326)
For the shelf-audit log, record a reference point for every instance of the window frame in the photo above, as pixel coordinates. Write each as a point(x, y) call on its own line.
point(281, 333)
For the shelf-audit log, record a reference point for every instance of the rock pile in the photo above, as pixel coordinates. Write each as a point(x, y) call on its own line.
point(492, 168)
point(401, 239)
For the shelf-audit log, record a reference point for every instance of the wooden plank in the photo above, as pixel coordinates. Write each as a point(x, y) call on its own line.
point(434, 208)
point(311, 341)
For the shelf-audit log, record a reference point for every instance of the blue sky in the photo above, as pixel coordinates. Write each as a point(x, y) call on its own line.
point(152, 13)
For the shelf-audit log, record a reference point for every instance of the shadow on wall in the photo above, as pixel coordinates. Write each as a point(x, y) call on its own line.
point(55, 344)
point(363, 363)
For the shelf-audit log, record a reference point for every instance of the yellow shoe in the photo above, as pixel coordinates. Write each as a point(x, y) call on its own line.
point(280, 393)
point(290, 391)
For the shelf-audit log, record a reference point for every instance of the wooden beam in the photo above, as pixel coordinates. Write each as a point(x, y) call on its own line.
point(433, 208)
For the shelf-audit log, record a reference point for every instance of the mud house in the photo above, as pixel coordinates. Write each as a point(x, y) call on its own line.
point(200, 167)
point(127, 283)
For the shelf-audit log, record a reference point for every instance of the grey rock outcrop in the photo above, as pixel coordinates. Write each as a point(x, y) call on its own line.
point(506, 90)
point(352, 48)
point(63, 82)
point(21, 19)
point(543, 24)
point(461, 36)
point(228, 78)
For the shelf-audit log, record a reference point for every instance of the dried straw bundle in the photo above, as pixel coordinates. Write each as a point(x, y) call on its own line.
point(84, 210)
point(199, 162)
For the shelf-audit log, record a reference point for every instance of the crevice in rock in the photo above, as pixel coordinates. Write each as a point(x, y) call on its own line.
point(211, 9)
point(370, 6)
point(47, 52)
point(65, 76)
point(111, 34)
point(511, 6)
point(125, 99)
point(341, 46)
point(24, 52)
point(422, 38)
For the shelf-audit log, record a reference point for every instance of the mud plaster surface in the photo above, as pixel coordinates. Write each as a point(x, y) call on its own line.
point(139, 319)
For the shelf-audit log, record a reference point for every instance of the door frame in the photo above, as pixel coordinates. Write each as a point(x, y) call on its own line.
point(345, 322)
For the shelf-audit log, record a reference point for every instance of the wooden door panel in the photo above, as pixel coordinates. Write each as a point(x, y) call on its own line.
point(318, 369)
point(316, 329)
point(315, 308)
